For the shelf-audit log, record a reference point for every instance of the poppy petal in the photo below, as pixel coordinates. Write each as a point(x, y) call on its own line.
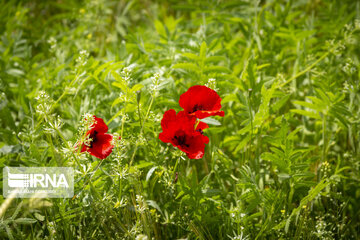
point(101, 147)
point(202, 126)
point(168, 119)
point(99, 126)
point(201, 102)
point(179, 130)
point(195, 147)
point(205, 114)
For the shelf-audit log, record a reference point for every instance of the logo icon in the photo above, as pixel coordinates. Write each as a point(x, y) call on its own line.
point(39, 182)
point(18, 180)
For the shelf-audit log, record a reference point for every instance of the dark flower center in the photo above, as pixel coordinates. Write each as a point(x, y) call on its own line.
point(93, 137)
point(197, 107)
point(180, 140)
point(200, 131)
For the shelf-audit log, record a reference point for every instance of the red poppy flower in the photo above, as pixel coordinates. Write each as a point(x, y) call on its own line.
point(179, 130)
point(100, 145)
point(201, 101)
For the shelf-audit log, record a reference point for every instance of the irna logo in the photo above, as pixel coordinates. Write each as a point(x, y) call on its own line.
point(39, 182)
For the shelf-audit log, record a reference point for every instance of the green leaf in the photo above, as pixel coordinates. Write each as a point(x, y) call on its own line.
point(279, 104)
point(160, 29)
point(306, 113)
point(39, 217)
point(101, 68)
point(144, 164)
point(211, 192)
point(120, 82)
point(136, 87)
point(187, 66)
point(216, 69)
point(25, 221)
point(309, 105)
point(154, 205)
point(211, 121)
point(116, 102)
point(203, 48)
point(214, 59)
point(150, 172)
point(15, 72)
point(191, 56)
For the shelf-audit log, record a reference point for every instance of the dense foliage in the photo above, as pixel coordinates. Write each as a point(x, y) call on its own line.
point(283, 163)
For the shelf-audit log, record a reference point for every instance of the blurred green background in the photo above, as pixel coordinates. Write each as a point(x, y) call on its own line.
point(282, 164)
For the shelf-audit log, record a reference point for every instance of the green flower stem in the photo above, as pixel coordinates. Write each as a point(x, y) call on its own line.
point(141, 130)
point(58, 100)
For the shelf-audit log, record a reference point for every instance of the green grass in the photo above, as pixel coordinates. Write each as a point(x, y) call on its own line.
point(283, 164)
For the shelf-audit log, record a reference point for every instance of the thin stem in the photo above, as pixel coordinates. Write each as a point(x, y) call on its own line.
point(88, 180)
point(58, 100)
point(120, 188)
point(315, 63)
point(139, 113)
point(141, 130)
point(122, 126)
point(68, 146)
point(324, 143)
point(305, 70)
point(115, 116)
point(148, 111)
point(196, 124)
point(251, 123)
point(176, 164)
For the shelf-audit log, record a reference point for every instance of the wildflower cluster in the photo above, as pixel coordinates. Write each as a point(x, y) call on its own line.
point(53, 44)
point(155, 80)
point(211, 84)
point(82, 58)
point(349, 66)
point(44, 103)
point(325, 168)
point(126, 74)
point(54, 125)
point(184, 129)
